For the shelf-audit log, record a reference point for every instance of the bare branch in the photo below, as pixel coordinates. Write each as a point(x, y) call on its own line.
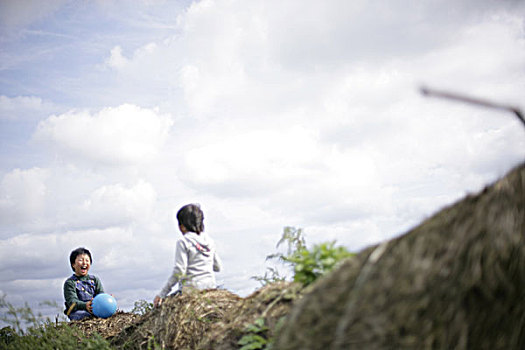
point(471, 100)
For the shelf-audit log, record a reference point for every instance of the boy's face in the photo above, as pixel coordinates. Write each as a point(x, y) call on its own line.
point(82, 265)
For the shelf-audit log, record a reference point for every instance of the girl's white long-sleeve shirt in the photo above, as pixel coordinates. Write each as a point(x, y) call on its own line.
point(196, 260)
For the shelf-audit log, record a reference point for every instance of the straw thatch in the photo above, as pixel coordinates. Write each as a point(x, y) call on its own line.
point(271, 303)
point(180, 322)
point(108, 328)
point(457, 281)
point(210, 319)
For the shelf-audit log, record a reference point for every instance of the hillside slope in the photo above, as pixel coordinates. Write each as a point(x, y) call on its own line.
point(455, 281)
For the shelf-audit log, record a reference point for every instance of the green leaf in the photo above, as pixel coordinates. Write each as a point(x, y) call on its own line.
point(252, 341)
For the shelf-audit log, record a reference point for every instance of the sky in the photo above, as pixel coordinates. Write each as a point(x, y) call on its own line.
point(114, 114)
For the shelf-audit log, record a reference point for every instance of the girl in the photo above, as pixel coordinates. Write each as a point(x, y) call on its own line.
point(195, 255)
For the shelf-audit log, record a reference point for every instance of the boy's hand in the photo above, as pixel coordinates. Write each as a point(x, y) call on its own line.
point(157, 301)
point(89, 306)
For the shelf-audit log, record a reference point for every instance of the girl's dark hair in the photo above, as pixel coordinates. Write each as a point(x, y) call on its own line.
point(77, 252)
point(192, 217)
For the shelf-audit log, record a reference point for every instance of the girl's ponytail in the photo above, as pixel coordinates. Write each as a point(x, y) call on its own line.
point(192, 217)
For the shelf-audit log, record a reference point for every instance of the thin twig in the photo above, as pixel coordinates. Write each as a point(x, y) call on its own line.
point(472, 100)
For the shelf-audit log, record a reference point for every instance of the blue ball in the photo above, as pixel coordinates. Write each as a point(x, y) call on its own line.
point(104, 305)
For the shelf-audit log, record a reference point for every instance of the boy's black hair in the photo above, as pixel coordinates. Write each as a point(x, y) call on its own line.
point(192, 217)
point(77, 252)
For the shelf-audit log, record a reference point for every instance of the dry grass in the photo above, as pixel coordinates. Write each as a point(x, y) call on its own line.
point(108, 328)
point(271, 303)
point(180, 322)
point(209, 319)
point(455, 281)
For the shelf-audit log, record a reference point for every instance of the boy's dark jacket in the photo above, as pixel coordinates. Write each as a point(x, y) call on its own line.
point(80, 290)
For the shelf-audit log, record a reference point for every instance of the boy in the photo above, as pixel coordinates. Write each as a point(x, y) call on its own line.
point(80, 288)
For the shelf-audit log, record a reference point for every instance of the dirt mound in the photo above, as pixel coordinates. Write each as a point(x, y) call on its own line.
point(455, 281)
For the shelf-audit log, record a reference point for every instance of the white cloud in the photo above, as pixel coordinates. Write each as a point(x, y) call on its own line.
point(140, 57)
point(116, 60)
point(245, 68)
point(23, 195)
point(29, 255)
point(115, 205)
point(120, 135)
point(22, 108)
point(261, 158)
point(41, 200)
point(482, 59)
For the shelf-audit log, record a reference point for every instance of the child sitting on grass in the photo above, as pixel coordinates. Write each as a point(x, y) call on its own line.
point(80, 288)
point(195, 256)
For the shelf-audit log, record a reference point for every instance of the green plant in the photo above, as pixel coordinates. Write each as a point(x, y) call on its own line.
point(30, 331)
point(153, 345)
point(141, 307)
point(294, 240)
point(18, 318)
point(49, 336)
point(307, 264)
point(271, 275)
point(255, 336)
